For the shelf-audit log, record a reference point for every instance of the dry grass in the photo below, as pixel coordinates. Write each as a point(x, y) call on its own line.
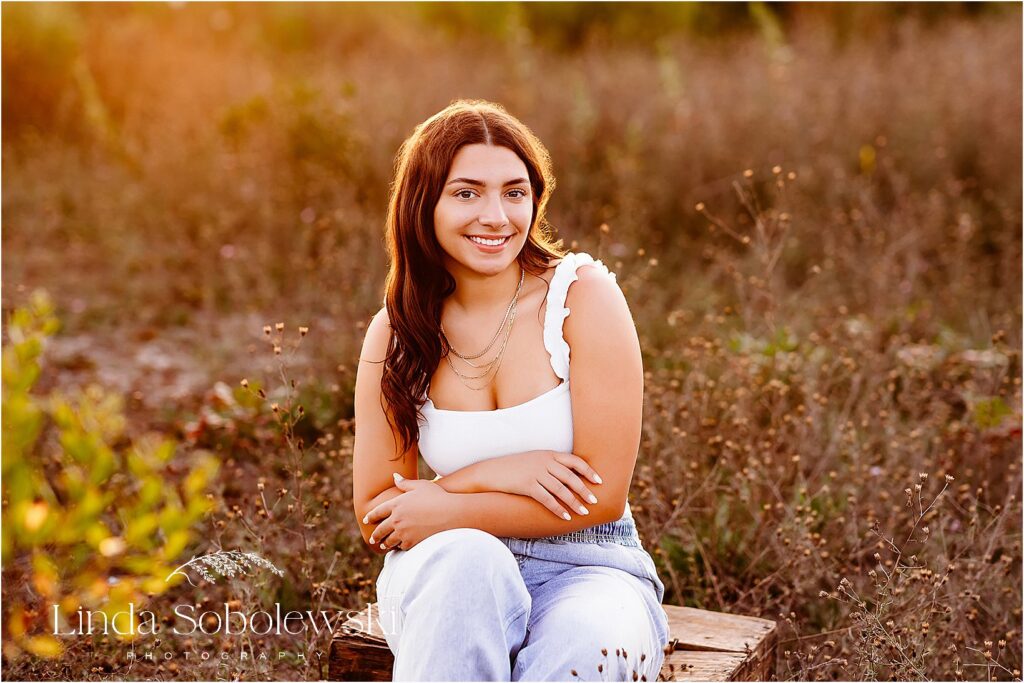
point(819, 240)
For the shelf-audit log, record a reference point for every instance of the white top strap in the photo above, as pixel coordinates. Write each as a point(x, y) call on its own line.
point(556, 312)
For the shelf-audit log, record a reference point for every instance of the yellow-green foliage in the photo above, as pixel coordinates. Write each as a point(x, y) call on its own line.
point(91, 519)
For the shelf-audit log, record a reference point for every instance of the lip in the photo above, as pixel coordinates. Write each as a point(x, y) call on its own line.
point(486, 248)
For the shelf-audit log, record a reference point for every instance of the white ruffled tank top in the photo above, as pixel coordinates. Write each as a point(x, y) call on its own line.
point(452, 439)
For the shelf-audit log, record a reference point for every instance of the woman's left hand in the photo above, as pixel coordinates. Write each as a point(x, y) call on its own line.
point(422, 511)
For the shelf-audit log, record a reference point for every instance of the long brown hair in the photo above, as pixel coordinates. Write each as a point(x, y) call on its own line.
point(417, 281)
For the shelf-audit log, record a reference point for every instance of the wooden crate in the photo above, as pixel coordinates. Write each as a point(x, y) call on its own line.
point(706, 646)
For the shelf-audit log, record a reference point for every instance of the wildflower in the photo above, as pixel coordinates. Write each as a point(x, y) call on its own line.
point(700, 206)
point(245, 383)
point(605, 228)
point(776, 170)
point(303, 331)
point(749, 173)
point(274, 407)
point(279, 327)
point(822, 594)
point(791, 175)
point(923, 476)
point(949, 478)
point(266, 330)
point(653, 262)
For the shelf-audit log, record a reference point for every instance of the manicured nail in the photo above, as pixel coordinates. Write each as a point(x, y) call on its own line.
point(566, 515)
point(371, 540)
point(592, 499)
point(398, 477)
point(597, 478)
point(584, 511)
point(366, 519)
point(383, 547)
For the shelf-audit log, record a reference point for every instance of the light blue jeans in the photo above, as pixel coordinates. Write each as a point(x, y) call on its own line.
point(464, 605)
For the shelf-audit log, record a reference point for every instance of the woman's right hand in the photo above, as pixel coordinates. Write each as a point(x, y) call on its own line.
point(549, 478)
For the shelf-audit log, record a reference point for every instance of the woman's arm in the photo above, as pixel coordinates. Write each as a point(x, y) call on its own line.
point(508, 514)
point(375, 448)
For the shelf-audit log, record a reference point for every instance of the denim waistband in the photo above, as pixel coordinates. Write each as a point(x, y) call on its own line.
point(622, 531)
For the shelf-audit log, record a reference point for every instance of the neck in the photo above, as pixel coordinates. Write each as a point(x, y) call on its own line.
point(477, 293)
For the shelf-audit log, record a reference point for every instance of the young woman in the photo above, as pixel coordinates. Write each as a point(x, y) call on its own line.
point(521, 561)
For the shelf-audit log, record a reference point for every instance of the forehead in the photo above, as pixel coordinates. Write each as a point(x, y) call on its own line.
point(489, 163)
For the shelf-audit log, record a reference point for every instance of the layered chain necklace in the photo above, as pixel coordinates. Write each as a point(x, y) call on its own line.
point(494, 363)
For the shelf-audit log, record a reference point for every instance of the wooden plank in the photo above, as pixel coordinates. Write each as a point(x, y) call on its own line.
point(704, 630)
point(699, 629)
point(713, 646)
point(694, 665)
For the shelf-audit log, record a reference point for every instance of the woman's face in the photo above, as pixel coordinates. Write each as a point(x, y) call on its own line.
point(486, 196)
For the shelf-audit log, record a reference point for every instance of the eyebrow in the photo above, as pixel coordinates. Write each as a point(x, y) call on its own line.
point(480, 183)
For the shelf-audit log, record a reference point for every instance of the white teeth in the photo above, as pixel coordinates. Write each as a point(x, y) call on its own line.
point(489, 243)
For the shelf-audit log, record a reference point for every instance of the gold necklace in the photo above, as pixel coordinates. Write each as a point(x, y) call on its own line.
point(495, 363)
point(511, 305)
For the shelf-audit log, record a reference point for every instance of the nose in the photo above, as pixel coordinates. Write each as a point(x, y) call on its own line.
point(493, 215)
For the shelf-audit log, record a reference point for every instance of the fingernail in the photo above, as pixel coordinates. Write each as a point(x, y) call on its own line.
point(398, 477)
point(383, 547)
point(597, 478)
point(566, 515)
point(366, 519)
point(371, 540)
point(591, 499)
point(584, 511)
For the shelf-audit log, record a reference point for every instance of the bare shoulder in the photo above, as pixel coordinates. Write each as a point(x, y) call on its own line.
point(378, 334)
point(594, 289)
point(596, 302)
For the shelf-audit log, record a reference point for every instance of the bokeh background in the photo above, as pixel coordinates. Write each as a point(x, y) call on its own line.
point(814, 212)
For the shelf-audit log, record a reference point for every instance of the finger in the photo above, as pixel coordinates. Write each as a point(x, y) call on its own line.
point(379, 513)
point(541, 495)
point(564, 494)
point(579, 464)
point(380, 534)
point(391, 542)
point(573, 481)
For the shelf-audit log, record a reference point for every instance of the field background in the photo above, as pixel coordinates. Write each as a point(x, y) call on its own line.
point(814, 212)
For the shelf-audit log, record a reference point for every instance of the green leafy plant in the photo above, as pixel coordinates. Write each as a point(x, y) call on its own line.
point(92, 519)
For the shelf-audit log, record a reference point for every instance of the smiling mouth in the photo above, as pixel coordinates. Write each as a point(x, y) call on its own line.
point(489, 241)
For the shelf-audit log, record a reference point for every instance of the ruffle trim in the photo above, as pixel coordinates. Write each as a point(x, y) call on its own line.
point(556, 312)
